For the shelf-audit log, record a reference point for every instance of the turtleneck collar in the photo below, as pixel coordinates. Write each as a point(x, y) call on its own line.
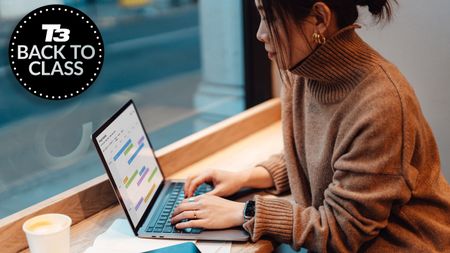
point(337, 66)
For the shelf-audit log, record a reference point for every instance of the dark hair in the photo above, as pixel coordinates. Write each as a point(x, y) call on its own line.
point(346, 12)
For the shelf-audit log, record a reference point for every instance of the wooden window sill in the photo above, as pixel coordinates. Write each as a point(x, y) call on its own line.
point(235, 144)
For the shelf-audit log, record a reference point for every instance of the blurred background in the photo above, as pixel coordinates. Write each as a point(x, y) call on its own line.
point(417, 40)
point(181, 61)
point(188, 64)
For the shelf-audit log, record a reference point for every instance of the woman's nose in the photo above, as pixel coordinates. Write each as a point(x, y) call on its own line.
point(262, 34)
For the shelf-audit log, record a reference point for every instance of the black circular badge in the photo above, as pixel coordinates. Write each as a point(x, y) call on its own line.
point(56, 52)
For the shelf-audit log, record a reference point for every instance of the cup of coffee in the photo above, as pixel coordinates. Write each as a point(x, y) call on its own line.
point(48, 233)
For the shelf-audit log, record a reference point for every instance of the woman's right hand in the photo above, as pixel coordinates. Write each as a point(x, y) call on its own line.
point(225, 182)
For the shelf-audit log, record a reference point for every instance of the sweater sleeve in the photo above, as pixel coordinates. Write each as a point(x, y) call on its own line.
point(276, 167)
point(367, 184)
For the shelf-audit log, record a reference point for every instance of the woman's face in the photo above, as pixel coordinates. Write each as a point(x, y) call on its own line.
point(297, 46)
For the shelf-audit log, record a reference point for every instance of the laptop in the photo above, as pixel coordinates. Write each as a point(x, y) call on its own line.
point(147, 198)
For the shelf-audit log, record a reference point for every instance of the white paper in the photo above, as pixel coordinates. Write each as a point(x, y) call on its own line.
point(213, 247)
point(119, 238)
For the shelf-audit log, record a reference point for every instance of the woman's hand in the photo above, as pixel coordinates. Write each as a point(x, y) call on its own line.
point(208, 212)
point(225, 182)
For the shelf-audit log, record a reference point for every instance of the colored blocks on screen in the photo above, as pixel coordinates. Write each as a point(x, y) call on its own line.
point(128, 149)
point(150, 192)
point(142, 177)
point(138, 204)
point(135, 153)
point(152, 175)
point(131, 179)
point(122, 149)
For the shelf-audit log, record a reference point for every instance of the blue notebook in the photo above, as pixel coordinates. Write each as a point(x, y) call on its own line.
point(187, 247)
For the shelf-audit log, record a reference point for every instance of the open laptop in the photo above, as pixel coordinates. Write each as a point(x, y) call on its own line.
point(147, 198)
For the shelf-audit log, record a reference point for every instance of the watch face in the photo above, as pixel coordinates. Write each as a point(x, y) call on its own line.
point(250, 209)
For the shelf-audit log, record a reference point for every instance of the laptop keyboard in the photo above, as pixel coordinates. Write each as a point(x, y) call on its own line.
point(175, 196)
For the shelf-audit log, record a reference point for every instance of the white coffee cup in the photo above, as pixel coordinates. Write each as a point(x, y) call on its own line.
point(48, 233)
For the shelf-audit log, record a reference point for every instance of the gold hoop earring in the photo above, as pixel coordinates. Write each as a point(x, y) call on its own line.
point(319, 38)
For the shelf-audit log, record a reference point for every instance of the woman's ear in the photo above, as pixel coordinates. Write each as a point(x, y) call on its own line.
point(323, 17)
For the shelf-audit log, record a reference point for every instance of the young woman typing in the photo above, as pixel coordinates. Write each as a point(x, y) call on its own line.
point(359, 158)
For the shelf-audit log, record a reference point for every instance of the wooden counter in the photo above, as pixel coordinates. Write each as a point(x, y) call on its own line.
point(240, 155)
point(235, 144)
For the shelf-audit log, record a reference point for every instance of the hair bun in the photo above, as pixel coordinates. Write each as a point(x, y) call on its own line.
point(378, 8)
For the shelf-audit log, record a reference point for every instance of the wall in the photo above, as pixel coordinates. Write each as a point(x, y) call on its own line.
point(418, 42)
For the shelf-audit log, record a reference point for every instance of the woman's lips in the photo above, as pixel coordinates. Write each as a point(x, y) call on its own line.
point(271, 55)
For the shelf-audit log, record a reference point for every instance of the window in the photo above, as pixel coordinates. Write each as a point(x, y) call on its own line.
point(181, 61)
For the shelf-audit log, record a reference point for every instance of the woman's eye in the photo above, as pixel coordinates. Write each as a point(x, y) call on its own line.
point(263, 18)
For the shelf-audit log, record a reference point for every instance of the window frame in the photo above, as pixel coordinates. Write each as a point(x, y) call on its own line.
point(97, 194)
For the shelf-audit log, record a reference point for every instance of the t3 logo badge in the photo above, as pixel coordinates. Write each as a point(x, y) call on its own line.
point(51, 29)
point(56, 52)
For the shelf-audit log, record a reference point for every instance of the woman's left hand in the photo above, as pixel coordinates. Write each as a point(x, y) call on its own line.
point(209, 212)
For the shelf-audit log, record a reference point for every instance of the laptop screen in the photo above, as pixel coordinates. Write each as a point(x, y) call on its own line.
point(131, 162)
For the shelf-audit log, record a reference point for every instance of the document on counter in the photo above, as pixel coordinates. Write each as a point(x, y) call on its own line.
point(119, 238)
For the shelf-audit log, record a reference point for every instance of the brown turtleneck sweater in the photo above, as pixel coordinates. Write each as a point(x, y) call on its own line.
point(359, 158)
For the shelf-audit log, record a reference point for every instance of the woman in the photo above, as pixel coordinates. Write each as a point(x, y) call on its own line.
point(359, 157)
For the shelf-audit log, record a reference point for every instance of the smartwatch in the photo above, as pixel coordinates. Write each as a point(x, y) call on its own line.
point(249, 210)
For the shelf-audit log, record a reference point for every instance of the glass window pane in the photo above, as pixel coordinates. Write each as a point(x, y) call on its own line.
point(181, 61)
